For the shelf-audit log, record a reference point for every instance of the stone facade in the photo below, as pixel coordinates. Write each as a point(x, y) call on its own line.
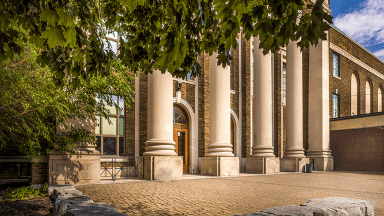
point(196, 103)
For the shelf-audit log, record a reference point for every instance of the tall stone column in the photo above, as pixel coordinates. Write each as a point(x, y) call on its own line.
point(220, 160)
point(220, 111)
point(262, 103)
point(160, 115)
point(294, 102)
point(160, 159)
point(294, 159)
point(318, 113)
point(262, 159)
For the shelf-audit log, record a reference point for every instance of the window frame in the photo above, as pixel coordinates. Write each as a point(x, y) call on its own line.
point(338, 65)
point(117, 136)
point(284, 81)
point(337, 101)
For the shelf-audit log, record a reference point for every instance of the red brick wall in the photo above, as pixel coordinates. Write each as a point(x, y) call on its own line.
point(358, 150)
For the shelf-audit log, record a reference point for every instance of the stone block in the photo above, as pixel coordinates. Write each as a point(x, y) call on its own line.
point(220, 166)
point(343, 206)
point(61, 204)
point(91, 209)
point(291, 210)
point(293, 164)
point(52, 188)
point(74, 169)
point(65, 193)
point(323, 163)
point(163, 167)
point(263, 165)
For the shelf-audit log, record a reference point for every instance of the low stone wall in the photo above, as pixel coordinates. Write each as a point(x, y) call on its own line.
point(323, 207)
point(70, 202)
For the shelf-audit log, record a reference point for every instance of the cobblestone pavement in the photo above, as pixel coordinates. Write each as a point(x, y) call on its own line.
point(236, 195)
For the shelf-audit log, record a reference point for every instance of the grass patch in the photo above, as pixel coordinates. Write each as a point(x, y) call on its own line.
point(26, 193)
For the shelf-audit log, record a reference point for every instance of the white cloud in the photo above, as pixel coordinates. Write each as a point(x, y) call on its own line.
point(364, 24)
point(379, 54)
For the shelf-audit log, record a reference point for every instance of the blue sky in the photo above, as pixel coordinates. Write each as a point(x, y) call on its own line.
point(363, 21)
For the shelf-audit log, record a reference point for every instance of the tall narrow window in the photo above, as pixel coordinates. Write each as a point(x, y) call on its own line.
point(110, 137)
point(379, 100)
point(367, 97)
point(284, 82)
point(336, 64)
point(232, 69)
point(354, 86)
point(336, 106)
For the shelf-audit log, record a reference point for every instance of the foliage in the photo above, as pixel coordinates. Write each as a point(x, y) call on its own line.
point(167, 35)
point(35, 115)
point(26, 193)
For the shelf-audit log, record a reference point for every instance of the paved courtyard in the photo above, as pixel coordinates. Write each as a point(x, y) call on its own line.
point(235, 195)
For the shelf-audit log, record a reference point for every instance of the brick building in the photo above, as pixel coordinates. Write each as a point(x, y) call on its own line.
point(263, 114)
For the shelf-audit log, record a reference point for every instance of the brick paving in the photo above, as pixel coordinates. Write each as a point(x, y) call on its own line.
point(236, 195)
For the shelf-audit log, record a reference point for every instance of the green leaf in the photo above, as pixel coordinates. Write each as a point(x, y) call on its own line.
point(54, 36)
point(70, 37)
point(50, 16)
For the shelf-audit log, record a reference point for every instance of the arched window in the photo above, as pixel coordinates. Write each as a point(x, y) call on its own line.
point(379, 100)
point(367, 97)
point(178, 116)
point(354, 88)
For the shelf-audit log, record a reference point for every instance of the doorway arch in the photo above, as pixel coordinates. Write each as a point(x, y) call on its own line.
point(189, 115)
point(236, 134)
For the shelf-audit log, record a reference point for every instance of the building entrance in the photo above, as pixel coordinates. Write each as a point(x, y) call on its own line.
point(180, 135)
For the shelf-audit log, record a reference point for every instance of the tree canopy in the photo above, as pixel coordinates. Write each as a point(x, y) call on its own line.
point(33, 109)
point(167, 35)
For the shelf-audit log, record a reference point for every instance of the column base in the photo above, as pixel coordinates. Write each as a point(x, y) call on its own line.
point(163, 167)
point(293, 164)
point(220, 166)
point(263, 165)
point(74, 169)
point(322, 163)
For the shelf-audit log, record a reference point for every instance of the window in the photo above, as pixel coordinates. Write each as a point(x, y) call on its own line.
point(367, 97)
point(336, 106)
point(284, 82)
point(114, 41)
point(232, 70)
point(110, 137)
point(336, 64)
point(189, 76)
point(252, 71)
point(379, 100)
point(354, 95)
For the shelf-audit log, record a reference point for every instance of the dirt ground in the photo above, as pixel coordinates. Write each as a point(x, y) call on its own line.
point(35, 206)
point(236, 195)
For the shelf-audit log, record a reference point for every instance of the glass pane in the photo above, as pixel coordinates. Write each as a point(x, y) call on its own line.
point(121, 126)
point(121, 105)
point(112, 109)
point(121, 146)
point(109, 145)
point(112, 35)
point(110, 129)
point(181, 145)
point(113, 45)
point(98, 144)
point(97, 125)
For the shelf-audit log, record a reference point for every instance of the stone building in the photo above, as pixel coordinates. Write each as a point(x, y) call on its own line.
point(263, 114)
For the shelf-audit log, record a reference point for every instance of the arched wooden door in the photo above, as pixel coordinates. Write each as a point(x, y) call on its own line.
point(180, 135)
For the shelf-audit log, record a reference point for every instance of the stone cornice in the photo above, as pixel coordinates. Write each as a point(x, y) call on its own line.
point(355, 60)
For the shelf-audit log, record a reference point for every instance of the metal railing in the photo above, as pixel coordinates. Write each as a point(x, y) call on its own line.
point(127, 168)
